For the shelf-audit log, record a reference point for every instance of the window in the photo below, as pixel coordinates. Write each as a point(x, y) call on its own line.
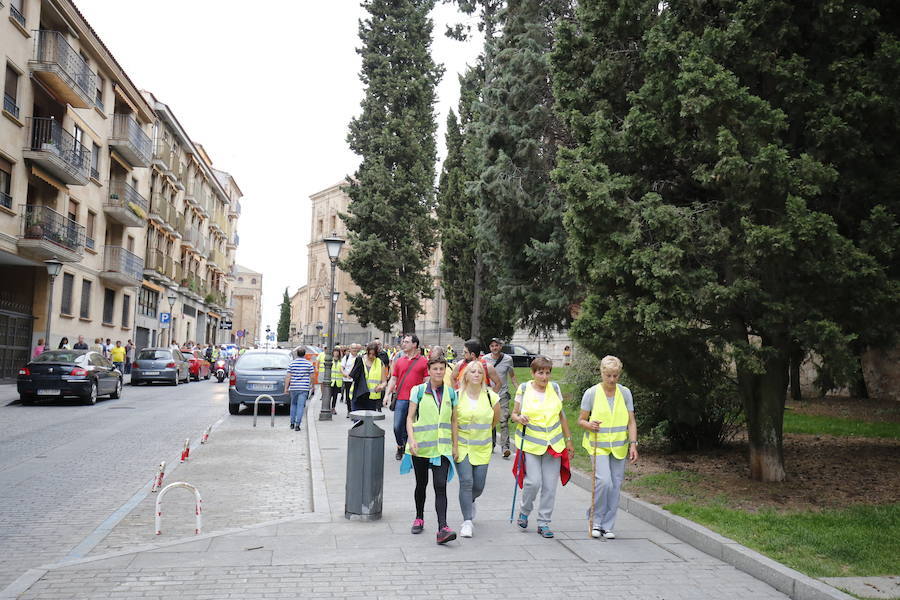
point(95, 161)
point(91, 225)
point(147, 302)
point(73, 210)
point(333, 223)
point(78, 134)
point(86, 298)
point(109, 304)
point(126, 309)
point(240, 280)
point(253, 281)
point(320, 227)
point(5, 183)
point(98, 98)
point(11, 92)
point(65, 306)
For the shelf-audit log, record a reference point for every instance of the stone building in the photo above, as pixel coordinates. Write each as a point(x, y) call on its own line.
point(247, 306)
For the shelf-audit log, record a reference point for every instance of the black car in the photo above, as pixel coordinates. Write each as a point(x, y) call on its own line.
point(65, 373)
point(259, 372)
point(521, 357)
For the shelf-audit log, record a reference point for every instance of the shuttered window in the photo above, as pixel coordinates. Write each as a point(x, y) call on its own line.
point(65, 306)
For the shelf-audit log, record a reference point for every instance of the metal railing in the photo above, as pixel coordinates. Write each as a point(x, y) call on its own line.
point(123, 195)
point(160, 205)
point(163, 153)
point(5, 200)
point(119, 260)
point(15, 14)
point(178, 272)
point(51, 47)
point(10, 106)
point(43, 223)
point(95, 173)
point(127, 129)
point(89, 243)
point(47, 135)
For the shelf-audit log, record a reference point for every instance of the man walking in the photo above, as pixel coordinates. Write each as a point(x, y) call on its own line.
point(298, 382)
point(409, 371)
point(80, 344)
point(503, 365)
point(117, 355)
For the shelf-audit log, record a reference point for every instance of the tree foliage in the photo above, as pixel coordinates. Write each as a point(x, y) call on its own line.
point(732, 191)
point(392, 194)
point(284, 319)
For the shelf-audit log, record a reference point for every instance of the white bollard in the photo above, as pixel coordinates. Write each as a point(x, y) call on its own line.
point(157, 483)
point(186, 452)
point(206, 433)
point(256, 408)
point(198, 505)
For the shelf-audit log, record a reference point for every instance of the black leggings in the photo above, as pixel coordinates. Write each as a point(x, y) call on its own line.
point(421, 466)
point(335, 392)
point(346, 392)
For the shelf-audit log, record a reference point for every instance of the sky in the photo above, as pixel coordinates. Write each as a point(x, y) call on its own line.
point(269, 93)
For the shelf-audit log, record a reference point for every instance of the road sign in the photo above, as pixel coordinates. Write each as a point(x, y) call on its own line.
point(165, 318)
point(225, 324)
point(240, 333)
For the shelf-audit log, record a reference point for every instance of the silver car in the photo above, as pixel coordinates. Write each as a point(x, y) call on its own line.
point(160, 364)
point(259, 372)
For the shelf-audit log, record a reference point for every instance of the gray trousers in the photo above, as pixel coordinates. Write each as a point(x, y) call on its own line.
point(471, 485)
point(607, 486)
point(541, 473)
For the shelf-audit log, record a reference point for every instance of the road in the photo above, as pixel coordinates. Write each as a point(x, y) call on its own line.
point(65, 468)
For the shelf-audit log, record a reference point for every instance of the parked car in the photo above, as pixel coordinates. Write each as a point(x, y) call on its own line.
point(63, 373)
point(160, 364)
point(198, 366)
point(521, 357)
point(258, 372)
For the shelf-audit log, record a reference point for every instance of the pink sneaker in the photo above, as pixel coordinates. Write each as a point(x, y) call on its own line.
point(418, 525)
point(445, 535)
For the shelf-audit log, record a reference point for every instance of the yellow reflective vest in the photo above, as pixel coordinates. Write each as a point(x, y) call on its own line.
point(373, 377)
point(321, 360)
point(432, 427)
point(613, 434)
point(544, 427)
point(474, 419)
point(337, 376)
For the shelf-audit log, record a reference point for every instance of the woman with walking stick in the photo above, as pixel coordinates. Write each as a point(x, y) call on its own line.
point(545, 444)
point(607, 416)
point(477, 411)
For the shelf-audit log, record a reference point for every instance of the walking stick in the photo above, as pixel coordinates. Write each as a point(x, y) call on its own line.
point(593, 482)
point(512, 510)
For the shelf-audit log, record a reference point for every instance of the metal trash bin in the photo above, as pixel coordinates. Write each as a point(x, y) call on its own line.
point(365, 467)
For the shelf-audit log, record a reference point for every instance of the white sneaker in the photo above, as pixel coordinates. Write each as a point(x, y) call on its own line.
point(466, 529)
point(609, 535)
point(595, 532)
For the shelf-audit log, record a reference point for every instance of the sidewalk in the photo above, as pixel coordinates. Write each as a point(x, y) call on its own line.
point(321, 554)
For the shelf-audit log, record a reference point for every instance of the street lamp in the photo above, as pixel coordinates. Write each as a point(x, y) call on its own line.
point(172, 297)
point(53, 269)
point(333, 245)
point(340, 318)
point(319, 332)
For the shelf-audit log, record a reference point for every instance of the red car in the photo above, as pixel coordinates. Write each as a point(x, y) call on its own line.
point(198, 366)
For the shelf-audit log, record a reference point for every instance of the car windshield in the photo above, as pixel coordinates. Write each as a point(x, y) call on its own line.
point(264, 360)
point(151, 354)
point(59, 356)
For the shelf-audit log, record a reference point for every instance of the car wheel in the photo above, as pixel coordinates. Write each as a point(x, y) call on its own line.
point(177, 380)
point(234, 409)
point(208, 373)
point(91, 398)
point(118, 393)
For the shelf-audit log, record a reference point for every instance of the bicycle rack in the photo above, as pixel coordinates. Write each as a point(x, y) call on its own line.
point(157, 483)
point(198, 505)
point(256, 408)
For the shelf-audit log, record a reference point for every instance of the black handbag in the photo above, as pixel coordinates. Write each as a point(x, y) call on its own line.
point(402, 379)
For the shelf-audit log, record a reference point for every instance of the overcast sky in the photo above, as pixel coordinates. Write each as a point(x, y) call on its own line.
point(269, 93)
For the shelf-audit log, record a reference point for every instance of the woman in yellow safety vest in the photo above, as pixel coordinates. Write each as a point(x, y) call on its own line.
point(337, 378)
point(438, 352)
point(429, 426)
point(544, 440)
point(477, 412)
point(607, 416)
point(371, 370)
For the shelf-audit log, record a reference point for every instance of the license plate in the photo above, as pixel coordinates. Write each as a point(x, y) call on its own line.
point(260, 387)
point(151, 372)
point(48, 392)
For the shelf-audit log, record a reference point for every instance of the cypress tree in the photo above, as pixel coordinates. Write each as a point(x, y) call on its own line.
point(284, 320)
point(390, 217)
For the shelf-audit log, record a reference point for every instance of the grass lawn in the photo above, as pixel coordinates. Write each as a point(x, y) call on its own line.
point(855, 541)
point(795, 422)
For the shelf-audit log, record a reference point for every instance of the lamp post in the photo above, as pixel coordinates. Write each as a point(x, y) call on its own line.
point(437, 320)
point(333, 245)
point(318, 333)
point(340, 318)
point(53, 269)
point(172, 297)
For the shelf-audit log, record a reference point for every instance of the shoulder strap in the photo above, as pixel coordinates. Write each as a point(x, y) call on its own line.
point(408, 369)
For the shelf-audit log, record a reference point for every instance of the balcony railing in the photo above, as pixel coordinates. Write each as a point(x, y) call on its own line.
point(15, 14)
point(162, 154)
point(119, 260)
point(156, 261)
point(5, 200)
point(43, 223)
point(69, 159)
point(64, 68)
point(178, 272)
point(10, 106)
point(89, 243)
point(131, 141)
point(124, 196)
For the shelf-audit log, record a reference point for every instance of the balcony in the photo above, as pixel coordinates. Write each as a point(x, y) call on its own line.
point(162, 211)
point(162, 156)
point(129, 140)
point(155, 265)
point(59, 67)
point(9, 104)
point(232, 241)
point(125, 205)
point(121, 267)
point(17, 16)
point(5, 200)
point(46, 233)
point(58, 152)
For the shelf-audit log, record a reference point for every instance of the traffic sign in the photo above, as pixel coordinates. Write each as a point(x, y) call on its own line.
point(165, 318)
point(225, 324)
point(240, 333)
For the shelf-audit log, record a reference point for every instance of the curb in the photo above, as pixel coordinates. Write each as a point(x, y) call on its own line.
point(784, 579)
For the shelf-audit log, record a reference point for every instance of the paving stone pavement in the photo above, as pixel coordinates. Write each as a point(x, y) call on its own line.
point(324, 555)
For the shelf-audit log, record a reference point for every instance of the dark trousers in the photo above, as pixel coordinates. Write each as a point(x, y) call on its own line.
point(335, 392)
point(345, 393)
point(439, 481)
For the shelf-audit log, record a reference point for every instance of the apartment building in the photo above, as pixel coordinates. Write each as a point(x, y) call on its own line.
point(247, 306)
point(100, 180)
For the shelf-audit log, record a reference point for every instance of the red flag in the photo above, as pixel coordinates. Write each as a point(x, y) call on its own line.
point(565, 467)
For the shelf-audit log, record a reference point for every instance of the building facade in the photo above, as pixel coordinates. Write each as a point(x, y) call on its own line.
point(91, 177)
point(247, 306)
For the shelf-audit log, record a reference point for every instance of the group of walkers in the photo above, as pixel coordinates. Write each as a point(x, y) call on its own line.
point(447, 419)
point(121, 355)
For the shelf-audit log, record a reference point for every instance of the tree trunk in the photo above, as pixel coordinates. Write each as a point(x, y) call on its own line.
point(407, 321)
point(796, 360)
point(475, 332)
point(764, 396)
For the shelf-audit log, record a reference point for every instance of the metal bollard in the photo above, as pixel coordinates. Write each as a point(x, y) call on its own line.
point(206, 433)
point(365, 467)
point(157, 483)
point(186, 452)
point(256, 408)
point(198, 505)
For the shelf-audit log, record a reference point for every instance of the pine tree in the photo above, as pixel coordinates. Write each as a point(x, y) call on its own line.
point(284, 320)
point(724, 207)
point(392, 194)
